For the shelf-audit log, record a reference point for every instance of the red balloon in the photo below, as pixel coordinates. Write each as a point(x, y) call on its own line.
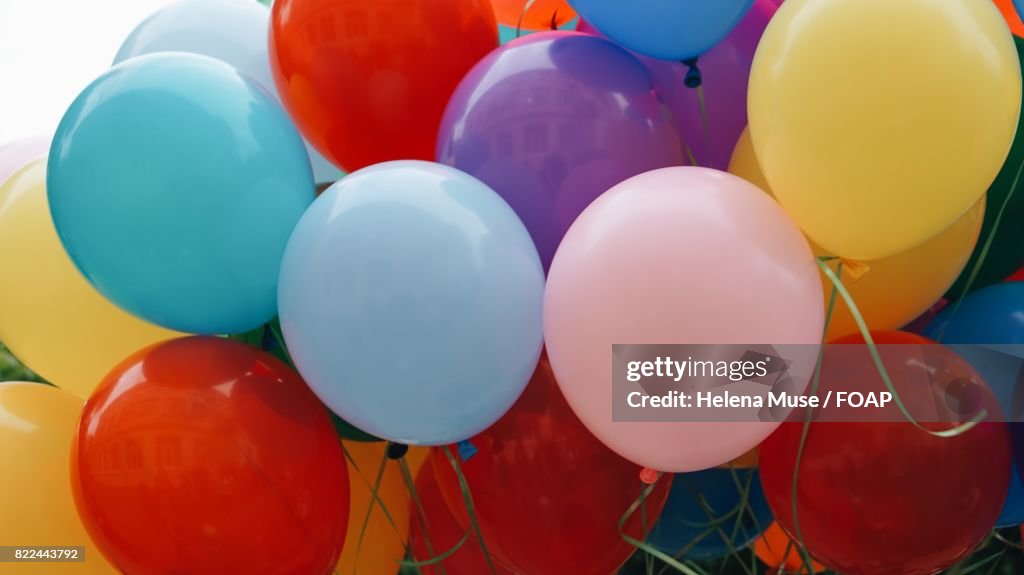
point(886, 498)
point(548, 495)
point(1017, 277)
point(443, 532)
point(367, 80)
point(202, 455)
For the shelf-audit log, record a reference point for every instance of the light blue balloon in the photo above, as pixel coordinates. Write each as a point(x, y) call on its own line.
point(233, 31)
point(666, 29)
point(410, 299)
point(174, 183)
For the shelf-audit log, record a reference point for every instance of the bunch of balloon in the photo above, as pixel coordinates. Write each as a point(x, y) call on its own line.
point(729, 243)
point(174, 182)
point(410, 301)
point(665, 29)
point(437, 532)
point(52, 319)
point(538, 472)
point(711, 514)
point(871, 173)
point(371, 86)
point(594, 120)
point(987, 329)
point(710, 117)
point(377, 531)
point(897, 289)
point(888, 483)
point(233, 31)
point(206, 431)
point(776, 550)
point(1001, 251)
point(36, 427)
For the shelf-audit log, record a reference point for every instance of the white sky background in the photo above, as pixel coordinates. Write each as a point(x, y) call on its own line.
point(51, 49)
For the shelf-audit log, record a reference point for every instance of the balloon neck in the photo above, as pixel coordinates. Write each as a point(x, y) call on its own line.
point(397, 450)
point(648, 476)
point(693, 78)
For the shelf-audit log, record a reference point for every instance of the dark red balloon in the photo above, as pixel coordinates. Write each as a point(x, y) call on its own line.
point(886, 498)
point(202, 455)
point(368, 80)
point(443, 533)
point(548, 495)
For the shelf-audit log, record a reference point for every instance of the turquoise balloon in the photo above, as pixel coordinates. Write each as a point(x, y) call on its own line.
point(174, 183)
point(410, 299)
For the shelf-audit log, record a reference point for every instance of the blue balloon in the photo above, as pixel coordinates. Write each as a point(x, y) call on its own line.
point(705, 514)
point(666, 29)
point(410, 300)
point(174, 183)
point(987, 330)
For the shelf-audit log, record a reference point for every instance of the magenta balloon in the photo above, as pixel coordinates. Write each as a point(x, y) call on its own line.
point(726, 72)
point(553, 120)
point(15, 154)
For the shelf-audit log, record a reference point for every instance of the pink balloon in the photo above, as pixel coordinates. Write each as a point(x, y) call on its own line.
point(681, 255)
point(14, 155)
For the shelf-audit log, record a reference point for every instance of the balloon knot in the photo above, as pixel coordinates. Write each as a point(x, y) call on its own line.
point(397, 450)
point(855, 269)
point(554, 20)
point(693, 78)
point(648, 476)
point(466, 450)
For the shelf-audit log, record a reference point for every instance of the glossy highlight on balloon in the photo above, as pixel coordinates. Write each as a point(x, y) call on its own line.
point(14, 155)
point(641, 264)
point(233, 31)
point(37, 422)
point(552, 121)
point(205, 431)
point(875, 143)
point(174, 183)
point(367, 81)
point(873, 497)
point(51, 318)
point(410, 300)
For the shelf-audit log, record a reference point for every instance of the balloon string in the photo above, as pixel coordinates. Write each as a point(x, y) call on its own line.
point(704, 120)
point(373, 493)
point(369, 508)
point(467, 498)
point(648, 558)
point(805, 557)
point(716, 522)
point(873, 349)
point(421, 515)
point(643, 545)
point(983, 255)
point(519, 23)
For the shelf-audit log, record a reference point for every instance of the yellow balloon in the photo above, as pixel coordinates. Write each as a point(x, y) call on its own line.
point(51, 318)
point(37, 508)
point(880, 122)
point(897, 289)
point(383, 544)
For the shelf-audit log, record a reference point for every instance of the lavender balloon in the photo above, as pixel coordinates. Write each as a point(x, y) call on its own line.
point(725, 71)
point(552, 121)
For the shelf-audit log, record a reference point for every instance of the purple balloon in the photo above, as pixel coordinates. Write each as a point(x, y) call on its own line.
point(15, 154)
point(726, 72)
point(553, 120)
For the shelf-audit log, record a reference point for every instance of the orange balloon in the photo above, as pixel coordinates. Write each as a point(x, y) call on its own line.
point(367, 81)
point(541, 15)
point(1011, 16)
point(775, 549)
